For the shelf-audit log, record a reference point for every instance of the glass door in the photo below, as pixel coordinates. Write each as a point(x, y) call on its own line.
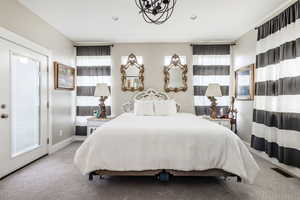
point(23, 106)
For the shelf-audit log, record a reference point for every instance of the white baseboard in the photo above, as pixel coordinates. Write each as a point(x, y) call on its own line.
point(289, 169)
point(79, 138)
point(60, 145)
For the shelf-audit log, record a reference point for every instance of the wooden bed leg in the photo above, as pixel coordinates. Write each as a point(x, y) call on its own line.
point(91, 176)
point(238, 179)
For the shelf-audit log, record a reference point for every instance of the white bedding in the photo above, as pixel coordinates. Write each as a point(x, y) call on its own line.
point(180, 142)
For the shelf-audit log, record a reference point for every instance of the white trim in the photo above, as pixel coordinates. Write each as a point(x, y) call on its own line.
point(79, 138)
point(289, 169)
point(60, 145)
point(23, 42)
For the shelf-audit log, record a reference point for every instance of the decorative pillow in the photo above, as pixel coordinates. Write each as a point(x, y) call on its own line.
point(165, 107)
point(142, 108)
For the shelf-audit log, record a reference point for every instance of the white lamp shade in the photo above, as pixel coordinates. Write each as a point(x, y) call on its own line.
point(213, 90)
point(102, 90)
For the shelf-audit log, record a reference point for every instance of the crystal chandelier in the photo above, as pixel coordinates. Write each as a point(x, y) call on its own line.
point(156, 11)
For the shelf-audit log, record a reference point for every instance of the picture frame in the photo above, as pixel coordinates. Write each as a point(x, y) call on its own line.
point(244, 83)
point(64, 77)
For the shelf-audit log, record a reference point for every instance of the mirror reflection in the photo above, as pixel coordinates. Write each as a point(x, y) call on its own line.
point(175, 75)
point(132, 75)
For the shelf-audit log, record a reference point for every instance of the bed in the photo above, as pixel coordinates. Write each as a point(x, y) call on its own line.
point(180, 145)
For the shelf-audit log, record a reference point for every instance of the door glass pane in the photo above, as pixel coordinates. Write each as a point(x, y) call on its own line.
point(25, 104)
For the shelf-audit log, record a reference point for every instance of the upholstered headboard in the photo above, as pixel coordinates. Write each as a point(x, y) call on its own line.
point(149, 94)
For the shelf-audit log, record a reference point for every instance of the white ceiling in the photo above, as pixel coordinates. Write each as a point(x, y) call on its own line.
point(91, 20)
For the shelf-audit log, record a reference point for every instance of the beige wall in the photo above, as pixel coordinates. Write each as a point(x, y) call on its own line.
point(153, 59)
point(18, 19)
point(243, 54)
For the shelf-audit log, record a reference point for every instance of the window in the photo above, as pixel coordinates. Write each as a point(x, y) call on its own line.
point(211, 64)
point(93, 66)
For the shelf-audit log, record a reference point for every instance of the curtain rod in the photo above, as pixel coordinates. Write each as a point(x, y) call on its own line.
point(87, 45)
point(231, 44)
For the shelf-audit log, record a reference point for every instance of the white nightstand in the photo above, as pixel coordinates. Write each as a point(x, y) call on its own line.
point(222, 122)
point(93, 123)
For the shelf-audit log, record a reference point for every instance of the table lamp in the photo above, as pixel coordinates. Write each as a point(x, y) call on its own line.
point(102, 91)
point(213, 91)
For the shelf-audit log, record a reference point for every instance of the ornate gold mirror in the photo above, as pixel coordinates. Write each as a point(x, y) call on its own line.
point(132, 75)
point(175, 75)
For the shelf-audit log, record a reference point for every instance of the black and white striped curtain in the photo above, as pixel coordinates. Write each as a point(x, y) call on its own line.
point(276, 118)
point(211, 64)
point(93, 66)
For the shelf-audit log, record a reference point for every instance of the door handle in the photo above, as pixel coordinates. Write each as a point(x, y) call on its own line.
point(4, 116)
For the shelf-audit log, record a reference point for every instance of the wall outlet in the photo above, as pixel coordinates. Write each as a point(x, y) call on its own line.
point(60, 132)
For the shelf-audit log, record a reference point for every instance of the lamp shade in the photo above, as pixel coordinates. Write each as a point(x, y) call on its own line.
point(102, 90)
point(213, 90)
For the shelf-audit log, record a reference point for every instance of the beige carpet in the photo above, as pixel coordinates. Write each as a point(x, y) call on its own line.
point(56, 178)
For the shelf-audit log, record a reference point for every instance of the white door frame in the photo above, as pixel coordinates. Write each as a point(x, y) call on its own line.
point(27, 44)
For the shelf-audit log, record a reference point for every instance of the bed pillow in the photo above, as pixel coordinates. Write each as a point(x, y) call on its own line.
point(165, 107)
point(143, 108)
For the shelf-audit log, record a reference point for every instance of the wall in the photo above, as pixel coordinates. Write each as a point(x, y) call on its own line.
point(153, 59)
point(18, 19)
point(243, 54)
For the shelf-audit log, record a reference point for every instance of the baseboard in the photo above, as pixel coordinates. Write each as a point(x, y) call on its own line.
point(291, 170)
point(60, 145)
point(79, 138)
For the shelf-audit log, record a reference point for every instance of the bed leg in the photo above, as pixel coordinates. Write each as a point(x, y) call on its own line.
point(91, 176)
point(238, 179)
point(101, 177)
point(164, 176)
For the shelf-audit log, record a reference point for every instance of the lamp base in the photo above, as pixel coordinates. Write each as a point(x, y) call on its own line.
point(102, 108)
point(213, 107)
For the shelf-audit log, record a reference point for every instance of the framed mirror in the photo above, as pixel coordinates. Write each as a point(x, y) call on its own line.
point(175, 75)
point(132, 75)
point(244, 83)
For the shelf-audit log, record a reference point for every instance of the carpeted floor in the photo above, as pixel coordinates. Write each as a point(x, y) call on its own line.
point(55, 177)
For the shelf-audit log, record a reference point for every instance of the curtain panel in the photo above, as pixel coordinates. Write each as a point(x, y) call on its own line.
point(93, 66)
point(276, 116)
point(211, 64)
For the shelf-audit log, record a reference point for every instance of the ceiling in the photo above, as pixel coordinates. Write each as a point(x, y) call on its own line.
point(91, 20)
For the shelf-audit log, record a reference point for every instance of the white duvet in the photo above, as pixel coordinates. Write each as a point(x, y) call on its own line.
point(180, 142)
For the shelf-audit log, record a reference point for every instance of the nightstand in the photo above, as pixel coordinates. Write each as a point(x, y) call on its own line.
point(222, 122)
point(228, 123)
point(93, 123)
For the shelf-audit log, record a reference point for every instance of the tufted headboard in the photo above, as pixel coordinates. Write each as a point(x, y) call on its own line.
point(149, 94)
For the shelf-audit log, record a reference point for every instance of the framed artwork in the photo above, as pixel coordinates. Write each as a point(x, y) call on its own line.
point(64, 77)
point(244, 83)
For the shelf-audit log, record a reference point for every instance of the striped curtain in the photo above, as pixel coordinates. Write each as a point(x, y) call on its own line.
point(211, 64)
point(93, 66)
point(276, 119)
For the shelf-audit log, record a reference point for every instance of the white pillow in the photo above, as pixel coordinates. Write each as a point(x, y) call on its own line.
point(165, 107)
point(142, 108)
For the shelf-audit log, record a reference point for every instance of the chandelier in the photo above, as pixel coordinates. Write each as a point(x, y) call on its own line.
point(156, 11)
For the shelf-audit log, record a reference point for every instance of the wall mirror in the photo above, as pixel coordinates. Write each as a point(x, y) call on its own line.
point(175, 75)
point(132, 75)
point(244, 83)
